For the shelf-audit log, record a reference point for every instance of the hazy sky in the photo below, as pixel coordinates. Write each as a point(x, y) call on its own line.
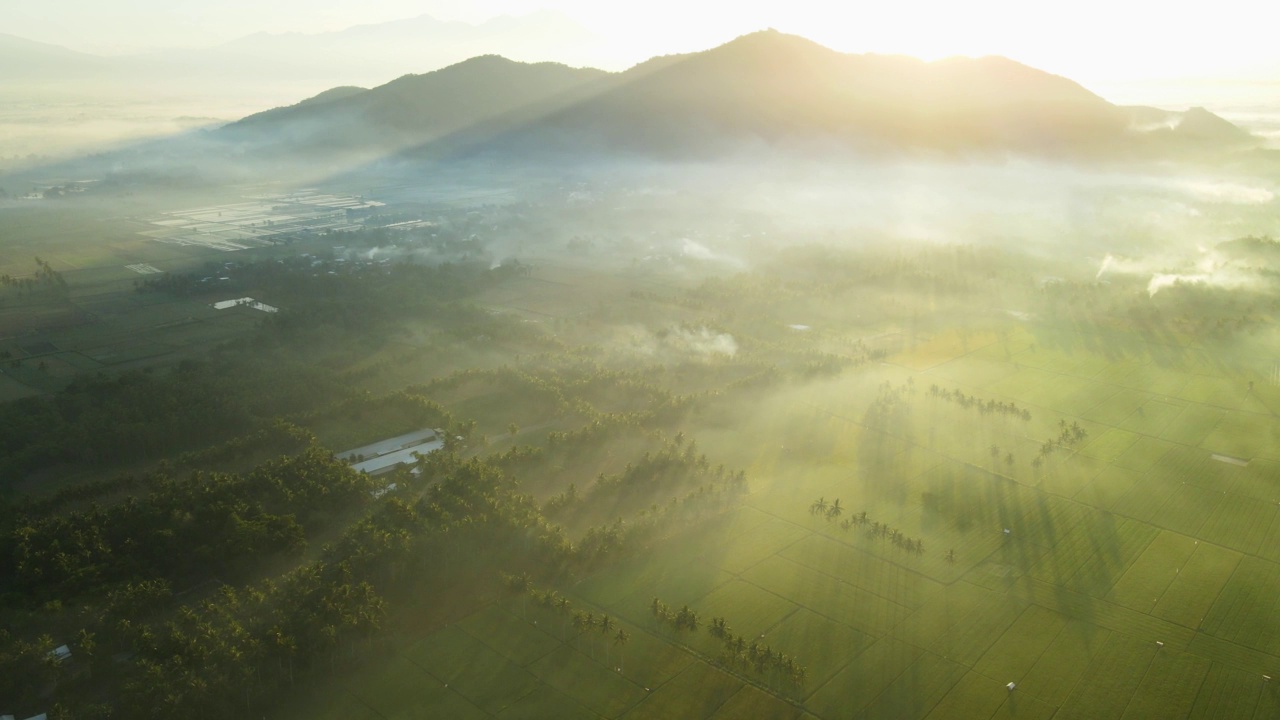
point(1084, 39)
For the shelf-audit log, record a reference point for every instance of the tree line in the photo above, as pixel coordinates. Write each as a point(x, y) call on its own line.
point(778, 669)
point(875, 528)
point(985, 407)
point(44, 279)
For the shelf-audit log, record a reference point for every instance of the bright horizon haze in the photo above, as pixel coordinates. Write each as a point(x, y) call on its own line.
point(1093, 41)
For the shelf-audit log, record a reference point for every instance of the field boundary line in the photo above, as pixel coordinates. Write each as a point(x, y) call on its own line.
point(837, 578)
point(884, 638)
point(1177, 575)
point(1040, 656)
point(1204, 680)
point(1216, 599)
point(372, 709)
point(498, 604)
point(776, 552)
point(1145, 673)
point(828, 537)
point(698, 657)
point(432, 675)
point(953, 358)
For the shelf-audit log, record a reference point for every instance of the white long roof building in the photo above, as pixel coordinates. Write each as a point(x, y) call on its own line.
point(385, 455)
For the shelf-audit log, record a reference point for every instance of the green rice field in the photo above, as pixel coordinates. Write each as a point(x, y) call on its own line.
point(1129, 574)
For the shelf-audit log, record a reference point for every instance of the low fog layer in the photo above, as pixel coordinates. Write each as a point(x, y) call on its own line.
point(761, 172)
point(719, 216)
point(1244, 264)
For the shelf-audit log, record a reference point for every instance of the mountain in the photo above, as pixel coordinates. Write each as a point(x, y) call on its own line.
point(765, 93)
point(410, 110)
point(769, 90)
point(763, 89)
point(1200, 125)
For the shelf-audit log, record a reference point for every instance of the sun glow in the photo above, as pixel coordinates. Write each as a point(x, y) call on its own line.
point(1088, 40)
point(1092, 40)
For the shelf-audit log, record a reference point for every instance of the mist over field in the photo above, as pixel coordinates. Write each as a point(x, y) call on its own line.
point(383, 366)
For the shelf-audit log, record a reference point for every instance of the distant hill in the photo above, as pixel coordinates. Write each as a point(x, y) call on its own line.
point(1196, 126)
point(1260, 252)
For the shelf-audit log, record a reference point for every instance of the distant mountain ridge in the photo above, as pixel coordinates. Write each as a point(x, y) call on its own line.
point(767, 90)
point(358, 55)
point(424, 42)
point(31, 61)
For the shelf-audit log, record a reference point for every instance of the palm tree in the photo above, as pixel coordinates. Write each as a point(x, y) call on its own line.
point(564, 605)
point(762, 659)
point(621, 641)
point(782, 663)
point(606, 627)
point(521, 585)
point(580, 622)
point(818, 506)
point(687, 619)
point(798, 676)
point(287, 646)
point(834, 511)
